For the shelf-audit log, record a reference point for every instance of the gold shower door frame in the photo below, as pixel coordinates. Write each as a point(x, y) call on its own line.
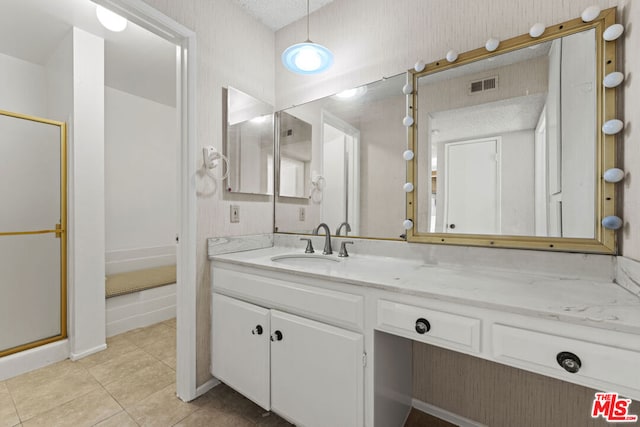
point(60, 231)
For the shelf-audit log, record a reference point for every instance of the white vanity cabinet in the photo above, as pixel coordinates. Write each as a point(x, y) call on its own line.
point(307, 371)
point(240, 347)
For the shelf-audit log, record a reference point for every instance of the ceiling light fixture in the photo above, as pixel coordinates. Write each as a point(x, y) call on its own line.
point(110, 20)
point(351, 93)
point(307, 57)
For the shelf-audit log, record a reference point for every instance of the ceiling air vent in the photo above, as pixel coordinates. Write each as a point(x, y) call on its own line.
point(483, 85)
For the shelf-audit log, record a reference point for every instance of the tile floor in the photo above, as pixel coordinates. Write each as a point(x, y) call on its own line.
point(131, 383)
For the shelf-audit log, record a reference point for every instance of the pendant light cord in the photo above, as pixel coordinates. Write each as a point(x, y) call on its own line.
point(308, 39)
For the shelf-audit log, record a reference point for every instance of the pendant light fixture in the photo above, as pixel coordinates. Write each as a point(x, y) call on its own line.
point(307, 57)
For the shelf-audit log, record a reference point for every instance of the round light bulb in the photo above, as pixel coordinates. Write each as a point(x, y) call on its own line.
point(452, 55)
point(611, 127)
point(537, 30)
point(308, 59)
point(408, 187)
point(111, 20)
point(613, 32)
point(407, 89)
point(419, 66)
point(407, 155)
point(590, 13)
point(613, 175)
point(492, 44)
point(613, 79)
point(612, 222)
point(407, 121)
point(407, 224)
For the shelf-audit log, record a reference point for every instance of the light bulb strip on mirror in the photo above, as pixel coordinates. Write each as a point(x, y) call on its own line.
point(603, 240)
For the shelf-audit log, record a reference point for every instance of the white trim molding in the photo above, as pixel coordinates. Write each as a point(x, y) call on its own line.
point(32, 359)
point(445, 415)
point(77, 356)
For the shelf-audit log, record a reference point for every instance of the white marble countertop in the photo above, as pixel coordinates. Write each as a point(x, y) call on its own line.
point(595, 303)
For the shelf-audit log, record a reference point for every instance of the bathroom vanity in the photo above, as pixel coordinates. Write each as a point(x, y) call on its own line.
point(322, 340)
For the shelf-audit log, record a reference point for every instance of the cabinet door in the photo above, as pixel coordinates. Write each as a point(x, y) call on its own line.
point(240, 347)
point(316, 372)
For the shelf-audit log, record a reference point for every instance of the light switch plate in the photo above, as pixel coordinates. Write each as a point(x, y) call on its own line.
point(234, 215)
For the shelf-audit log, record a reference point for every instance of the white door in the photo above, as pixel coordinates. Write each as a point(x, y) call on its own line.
point(240, 347)
point(472, 186)
point(316, 372)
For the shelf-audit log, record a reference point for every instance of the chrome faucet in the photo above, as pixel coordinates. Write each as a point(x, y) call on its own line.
point(340, 228)
point(327, 240)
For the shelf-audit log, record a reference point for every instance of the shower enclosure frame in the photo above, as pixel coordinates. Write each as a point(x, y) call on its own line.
point(60, 231)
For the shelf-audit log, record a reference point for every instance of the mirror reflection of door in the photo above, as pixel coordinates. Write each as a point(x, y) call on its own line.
point(472, 193)
point(295, 157)
point(341, 169)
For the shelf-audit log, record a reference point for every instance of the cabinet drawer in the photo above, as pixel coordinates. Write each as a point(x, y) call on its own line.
point(445, 329)
point(314, 302)
point(538, 351)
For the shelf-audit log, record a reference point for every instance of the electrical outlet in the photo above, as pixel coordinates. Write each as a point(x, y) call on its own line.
point(301, 214)
point(235, 213)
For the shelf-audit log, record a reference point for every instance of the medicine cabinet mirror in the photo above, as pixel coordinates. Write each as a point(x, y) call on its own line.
point(347, 148)
point(508, 147)
point(248, 143)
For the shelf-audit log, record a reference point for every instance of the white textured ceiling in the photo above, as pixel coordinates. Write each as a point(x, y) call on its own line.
point(136, 61)
point(276, 14)
point(494, 118)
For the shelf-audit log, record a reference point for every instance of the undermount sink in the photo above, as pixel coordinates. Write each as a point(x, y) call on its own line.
point(305, 259)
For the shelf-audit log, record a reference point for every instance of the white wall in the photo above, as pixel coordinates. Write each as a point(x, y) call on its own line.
point(22, 86)
point(630, 108)
point(375, 38)
point(235, 50)
point(86, 203)
point(382, 169)
point(141, 143)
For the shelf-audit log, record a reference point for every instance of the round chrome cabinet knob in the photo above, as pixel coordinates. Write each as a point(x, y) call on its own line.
point(422, 326)
point(569, 361)
point(257, 330)
point(276, 336)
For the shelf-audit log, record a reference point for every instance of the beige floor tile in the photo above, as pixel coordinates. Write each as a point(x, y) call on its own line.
point(145, 336)
point(214, 418)
point(122, 367)
point(121, 419)
point(116, 346)
point(8, 414)
point(170, 362)
point(86, 411)
point(139, 385)
point(44, 389)
point(227, 400)
point(164, 347)
point(162, 408)
point(171, 323)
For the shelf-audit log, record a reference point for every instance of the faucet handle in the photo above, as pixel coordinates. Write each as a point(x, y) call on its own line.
point(309, 248)
point(343, 248)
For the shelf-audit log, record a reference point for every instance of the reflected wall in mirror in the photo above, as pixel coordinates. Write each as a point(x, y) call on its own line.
point(508, 145)
point(356, 167)
point(248, 143)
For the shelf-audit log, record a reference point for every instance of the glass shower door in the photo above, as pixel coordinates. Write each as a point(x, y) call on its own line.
point(32, 232)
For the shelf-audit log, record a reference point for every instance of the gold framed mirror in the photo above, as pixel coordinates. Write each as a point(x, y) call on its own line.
point(508, 147)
